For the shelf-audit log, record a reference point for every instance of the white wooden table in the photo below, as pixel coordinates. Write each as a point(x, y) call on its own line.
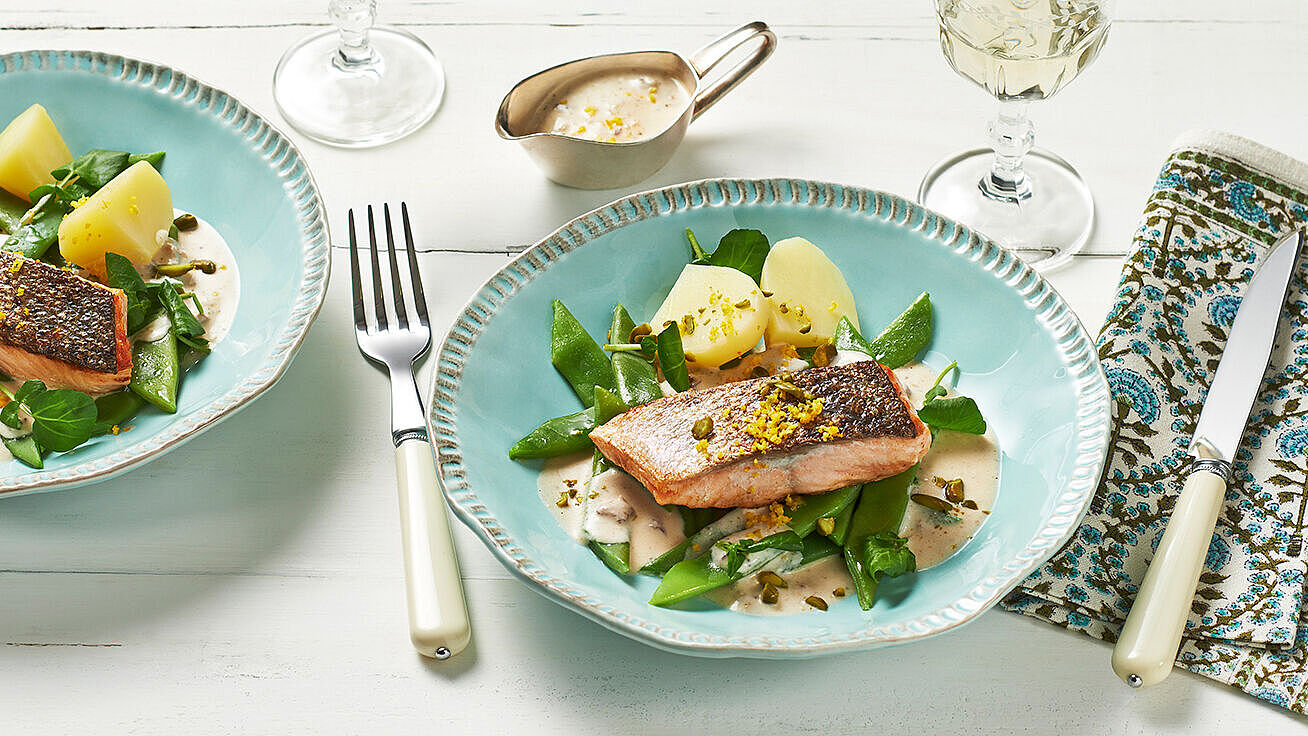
point(251, 581)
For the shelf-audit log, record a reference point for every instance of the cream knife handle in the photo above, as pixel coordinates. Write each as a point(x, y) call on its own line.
point(438, 615)
point(1147, 647)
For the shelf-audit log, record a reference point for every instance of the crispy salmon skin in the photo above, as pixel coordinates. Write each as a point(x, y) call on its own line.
point(806, 432)
point(61, 328)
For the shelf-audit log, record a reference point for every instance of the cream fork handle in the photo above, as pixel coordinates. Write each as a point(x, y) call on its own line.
point(1146, 649)
point(438, 614)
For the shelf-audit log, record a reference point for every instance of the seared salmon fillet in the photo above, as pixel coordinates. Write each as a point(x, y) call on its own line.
point(61, 328)
point(806, 432)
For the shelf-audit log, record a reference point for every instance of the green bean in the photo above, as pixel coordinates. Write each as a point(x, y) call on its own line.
point(880, 510)
point(155, 371)
point(577, 356)
point(672, 358)
point(636, 381)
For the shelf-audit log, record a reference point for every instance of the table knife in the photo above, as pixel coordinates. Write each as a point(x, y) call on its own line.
point(1150, 638)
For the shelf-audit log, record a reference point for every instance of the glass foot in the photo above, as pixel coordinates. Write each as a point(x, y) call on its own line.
point(380, 100)
point(1045, 229)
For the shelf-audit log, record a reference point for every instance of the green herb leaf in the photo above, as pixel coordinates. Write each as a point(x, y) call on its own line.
point(35, 238)
point(95, 168)
point(9, 415)
point(743, 250)
point(905, 337)
point(61, 418)
point(29, 389)
point(53, 190)
point(141, 303)
point(958, 413)
point(887, 554)
point(936, 389)
point(672, 359)
point(168, 293)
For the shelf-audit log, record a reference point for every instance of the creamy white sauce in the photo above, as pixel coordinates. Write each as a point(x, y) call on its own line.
point(218, 292)
point(614, 106)
point(933, 536)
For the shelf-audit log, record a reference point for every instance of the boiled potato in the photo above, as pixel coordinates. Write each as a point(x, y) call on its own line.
point(30, 148)
point(123, 218)
point(721, 312)
point(809, 294)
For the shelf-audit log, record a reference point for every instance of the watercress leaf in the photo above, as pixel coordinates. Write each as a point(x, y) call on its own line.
point(52, 189)
point(743, 250)
point(735, 556)
point(672, 359)
point(95, 168)
point(62, 418)
point(959, 413)
point(906, 336)
point(649, 346)
point(887, 554)
point(35, 238)
point(141, 303)
point(846, 337)
point(29, 389)
point(183, 321)
point(9, 415)
point(936, 389)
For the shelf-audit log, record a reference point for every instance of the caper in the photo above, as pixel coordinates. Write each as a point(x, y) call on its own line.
point(826, 525)
point(838, 592)
point(823, 354)
point(688, 325)
point(186, 223)
point(640, 331)
point(702, 428)
point(954, 490)
point(770, 595)
point(767, 577)
point(931, 502)
point(816, 602)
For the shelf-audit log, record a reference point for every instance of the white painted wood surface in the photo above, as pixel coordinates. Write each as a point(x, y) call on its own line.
point(251, 582)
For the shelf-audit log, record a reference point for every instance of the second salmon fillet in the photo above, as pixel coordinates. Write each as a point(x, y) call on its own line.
point(807, 432)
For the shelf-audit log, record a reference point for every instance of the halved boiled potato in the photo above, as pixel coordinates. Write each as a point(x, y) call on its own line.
point(30, 148)
point(809, 294)
point(720, 310)
point(123, 217)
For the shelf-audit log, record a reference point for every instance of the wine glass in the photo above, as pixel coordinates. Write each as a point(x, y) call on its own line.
point(1025, 198)
point(356, 85)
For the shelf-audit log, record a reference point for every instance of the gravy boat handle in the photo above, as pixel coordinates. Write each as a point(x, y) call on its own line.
point(707, 58)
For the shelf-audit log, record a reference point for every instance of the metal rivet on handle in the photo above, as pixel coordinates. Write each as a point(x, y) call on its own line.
point(443, 653)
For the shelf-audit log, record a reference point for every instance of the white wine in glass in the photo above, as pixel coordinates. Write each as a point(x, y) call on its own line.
point(1031, 201)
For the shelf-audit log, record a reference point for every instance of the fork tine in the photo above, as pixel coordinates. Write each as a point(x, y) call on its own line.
point(360, 319)
point(397, 291)
point(378, 296)
point(419, 299)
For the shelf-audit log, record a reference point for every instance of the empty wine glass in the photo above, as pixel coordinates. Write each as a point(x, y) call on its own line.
point(1025, 198)
point(357, 85)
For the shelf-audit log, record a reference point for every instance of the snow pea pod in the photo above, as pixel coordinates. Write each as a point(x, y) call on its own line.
point(12, 210)
point(577, 356)
point(672, 358)
point(155, 371)
point(25, 449)
point(118, 407)
point(636, 381)
point(880, 510)
point(569, 433)
point(614, 556)
point(841, 527)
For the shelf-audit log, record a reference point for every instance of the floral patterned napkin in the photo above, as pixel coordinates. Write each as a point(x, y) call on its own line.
point(1219, 203)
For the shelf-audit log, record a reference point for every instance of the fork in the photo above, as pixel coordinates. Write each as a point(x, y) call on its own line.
point(438, 614)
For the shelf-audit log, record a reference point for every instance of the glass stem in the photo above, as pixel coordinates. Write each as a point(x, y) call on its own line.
point(1012, 136)
point(353, 19)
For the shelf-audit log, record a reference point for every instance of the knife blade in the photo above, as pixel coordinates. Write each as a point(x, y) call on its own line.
point(1147, 646)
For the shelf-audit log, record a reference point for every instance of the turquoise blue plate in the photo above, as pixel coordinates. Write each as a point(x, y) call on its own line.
point(231, 168)
point(1025, 358)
